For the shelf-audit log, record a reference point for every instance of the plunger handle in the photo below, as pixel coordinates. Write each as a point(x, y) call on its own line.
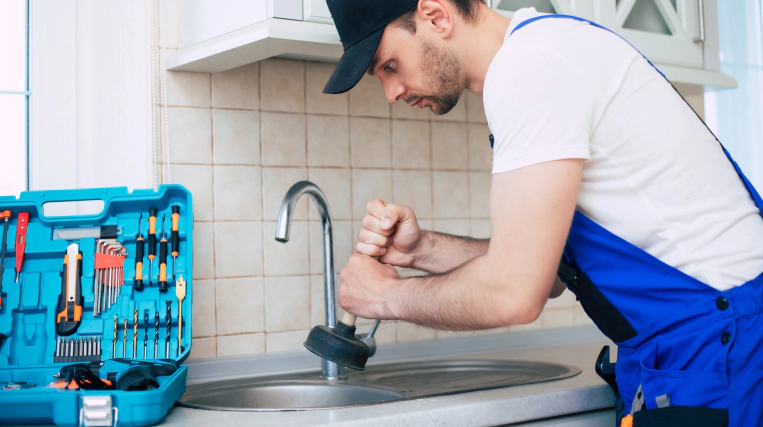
point(349, 319)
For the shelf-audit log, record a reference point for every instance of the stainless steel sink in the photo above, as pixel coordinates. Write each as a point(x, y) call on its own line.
point(377, 384)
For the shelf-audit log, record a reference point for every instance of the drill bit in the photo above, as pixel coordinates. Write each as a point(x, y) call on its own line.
point(156, 335)
point(114, 351)
point(124, 341)
point(135, 335)
point(180, 293)
point(169, 326)
point(145, 333)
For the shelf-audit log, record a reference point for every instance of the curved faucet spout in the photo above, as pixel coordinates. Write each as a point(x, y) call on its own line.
point(290, 201)
point(330, 370)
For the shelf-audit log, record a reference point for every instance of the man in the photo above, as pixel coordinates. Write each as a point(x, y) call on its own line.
point(597, 161)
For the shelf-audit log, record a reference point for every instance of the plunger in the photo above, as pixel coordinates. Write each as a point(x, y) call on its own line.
point(339, 344)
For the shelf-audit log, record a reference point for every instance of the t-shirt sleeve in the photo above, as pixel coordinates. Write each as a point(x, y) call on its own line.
point(540, 107)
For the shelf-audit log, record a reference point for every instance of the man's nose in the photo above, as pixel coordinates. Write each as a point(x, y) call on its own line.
point(393, 91)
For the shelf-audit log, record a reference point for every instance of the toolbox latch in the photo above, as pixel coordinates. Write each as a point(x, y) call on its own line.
point(98, 411)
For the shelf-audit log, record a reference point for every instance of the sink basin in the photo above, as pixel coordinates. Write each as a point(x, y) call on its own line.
point(377, 384)
point(249, 395)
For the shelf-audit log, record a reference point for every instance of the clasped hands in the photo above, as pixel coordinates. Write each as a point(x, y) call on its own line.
point(372, 289)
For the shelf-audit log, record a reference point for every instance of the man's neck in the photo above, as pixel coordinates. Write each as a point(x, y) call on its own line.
point(480, 45)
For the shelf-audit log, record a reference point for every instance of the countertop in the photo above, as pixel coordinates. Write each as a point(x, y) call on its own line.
point(578, 346)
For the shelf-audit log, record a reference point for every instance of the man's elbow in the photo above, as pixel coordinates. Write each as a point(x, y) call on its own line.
point(520, 310)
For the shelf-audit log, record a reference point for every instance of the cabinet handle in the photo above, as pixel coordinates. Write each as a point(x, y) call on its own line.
point(701, 11)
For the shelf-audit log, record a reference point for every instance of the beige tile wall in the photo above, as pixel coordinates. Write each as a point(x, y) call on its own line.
point(239, 139)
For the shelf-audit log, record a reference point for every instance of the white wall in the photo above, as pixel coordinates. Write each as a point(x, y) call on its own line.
point(90, 104)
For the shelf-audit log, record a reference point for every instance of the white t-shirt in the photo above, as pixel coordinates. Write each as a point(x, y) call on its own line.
point(653, 175)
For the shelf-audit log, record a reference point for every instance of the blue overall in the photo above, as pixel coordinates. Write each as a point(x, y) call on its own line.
point(679, 340)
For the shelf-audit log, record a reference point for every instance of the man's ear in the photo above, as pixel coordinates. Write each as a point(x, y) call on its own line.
point(435, 15)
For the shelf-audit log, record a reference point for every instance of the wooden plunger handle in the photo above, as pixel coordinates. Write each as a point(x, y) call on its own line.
point(349, 319)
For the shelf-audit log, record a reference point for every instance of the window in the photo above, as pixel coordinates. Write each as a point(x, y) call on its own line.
point(736, 115)
point(14, 95)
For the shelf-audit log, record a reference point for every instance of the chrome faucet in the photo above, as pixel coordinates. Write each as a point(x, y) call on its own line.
point(330, 370)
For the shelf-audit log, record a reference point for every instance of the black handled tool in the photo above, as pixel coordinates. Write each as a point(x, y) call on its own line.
point(163, 259)
point(175, 240)
point(151, 243)
point(138, 284)
point(69, 309)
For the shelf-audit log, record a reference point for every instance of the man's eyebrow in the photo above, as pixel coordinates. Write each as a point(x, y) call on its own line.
point(372, 67)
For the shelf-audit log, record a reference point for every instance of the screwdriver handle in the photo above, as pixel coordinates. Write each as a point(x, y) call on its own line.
point(175, 236)
point(139, 242)
point(139, 248)
point(163, 265)
point(152, 234)
point(21, 229)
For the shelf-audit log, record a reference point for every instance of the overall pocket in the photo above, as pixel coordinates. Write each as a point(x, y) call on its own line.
point(698, 398)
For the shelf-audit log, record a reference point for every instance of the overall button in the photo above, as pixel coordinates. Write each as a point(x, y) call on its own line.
point(722, 303)
point(725, 338)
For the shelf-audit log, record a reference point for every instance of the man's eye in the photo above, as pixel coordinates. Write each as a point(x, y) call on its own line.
point(388, 66)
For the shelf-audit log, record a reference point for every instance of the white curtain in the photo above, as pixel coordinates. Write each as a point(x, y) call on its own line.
point(736, 115)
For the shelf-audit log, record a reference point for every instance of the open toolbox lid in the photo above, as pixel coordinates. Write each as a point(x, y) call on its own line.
point(32, 348)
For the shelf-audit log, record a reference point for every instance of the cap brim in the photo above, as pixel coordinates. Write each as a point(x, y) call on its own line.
point(353, 64)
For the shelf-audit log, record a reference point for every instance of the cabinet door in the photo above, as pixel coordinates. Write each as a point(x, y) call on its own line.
point(317, 11)
point(666, 31)
point(581, 8)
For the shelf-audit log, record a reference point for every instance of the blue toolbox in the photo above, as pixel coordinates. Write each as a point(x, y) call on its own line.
point(95, 310)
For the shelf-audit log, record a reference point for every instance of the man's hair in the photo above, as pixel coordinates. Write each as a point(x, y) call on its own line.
point(468, 9)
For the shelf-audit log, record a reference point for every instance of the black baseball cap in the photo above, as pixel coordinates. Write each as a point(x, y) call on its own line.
point(360, 24)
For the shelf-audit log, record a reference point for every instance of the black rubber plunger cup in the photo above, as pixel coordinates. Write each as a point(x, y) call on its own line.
point(339, 344)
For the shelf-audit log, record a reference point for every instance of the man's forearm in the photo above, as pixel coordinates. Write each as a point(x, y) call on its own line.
point(441, 252)
point(467, 298)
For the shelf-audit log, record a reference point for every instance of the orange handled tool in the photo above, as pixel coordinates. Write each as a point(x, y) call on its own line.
point(5, 216)
point(175, 240)
point(138, 284)
point(21, 226)
point(163, 259)
point(151, 243)
point(69, 309)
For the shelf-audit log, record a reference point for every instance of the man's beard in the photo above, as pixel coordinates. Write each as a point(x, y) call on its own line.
point(442, 77)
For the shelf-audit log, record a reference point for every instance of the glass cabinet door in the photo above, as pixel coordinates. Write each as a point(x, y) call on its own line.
point(666, 31)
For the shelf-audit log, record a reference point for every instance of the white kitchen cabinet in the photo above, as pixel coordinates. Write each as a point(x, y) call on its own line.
point(666, 31)
point(679, 36)
point(317, 11)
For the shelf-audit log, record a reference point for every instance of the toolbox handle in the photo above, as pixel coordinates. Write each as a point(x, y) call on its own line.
point(39, 198)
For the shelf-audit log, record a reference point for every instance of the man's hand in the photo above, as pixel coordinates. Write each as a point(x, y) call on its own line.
point(390, 232)
point(369, 288)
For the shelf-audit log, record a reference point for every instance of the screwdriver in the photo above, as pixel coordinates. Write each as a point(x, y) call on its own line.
point(175, 240)
point(6, 216)
point(21, 227)
point(69, 309)
point(138, 285)
point(151, 243)
point(163, 259)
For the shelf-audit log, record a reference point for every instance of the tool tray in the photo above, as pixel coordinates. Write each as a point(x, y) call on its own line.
point(30, 349)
